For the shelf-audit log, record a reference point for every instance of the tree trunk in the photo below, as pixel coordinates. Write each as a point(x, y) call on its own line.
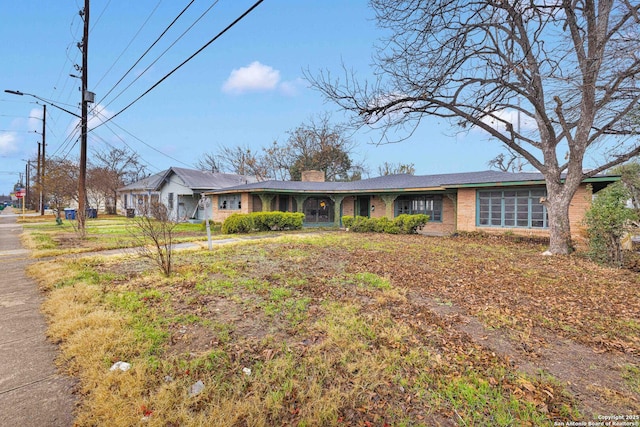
point(559, 198)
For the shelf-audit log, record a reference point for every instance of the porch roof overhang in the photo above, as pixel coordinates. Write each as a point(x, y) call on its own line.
point(403, 184)
point(270, 190)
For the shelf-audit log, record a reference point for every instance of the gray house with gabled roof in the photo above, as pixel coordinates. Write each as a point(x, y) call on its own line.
point(470, 201)
point(180, 189)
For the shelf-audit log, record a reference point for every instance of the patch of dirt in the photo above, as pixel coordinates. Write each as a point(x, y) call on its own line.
point(221, 320)
point(492, 302)
point(592, 377)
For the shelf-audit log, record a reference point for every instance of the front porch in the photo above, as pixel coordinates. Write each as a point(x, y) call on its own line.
point(328, 209)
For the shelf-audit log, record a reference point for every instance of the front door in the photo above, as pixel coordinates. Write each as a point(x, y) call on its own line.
point(362, 205)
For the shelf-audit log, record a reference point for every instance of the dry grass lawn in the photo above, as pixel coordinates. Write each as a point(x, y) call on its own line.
point(346, 329)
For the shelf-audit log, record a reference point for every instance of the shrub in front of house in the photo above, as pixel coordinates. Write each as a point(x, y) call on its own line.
point(273, 221)
point(607, 221)
point(409, 224)
point(262, 221)
point(402, 224)
point(237, 223)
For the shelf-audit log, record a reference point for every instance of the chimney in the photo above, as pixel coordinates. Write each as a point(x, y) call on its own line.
point(312, 176)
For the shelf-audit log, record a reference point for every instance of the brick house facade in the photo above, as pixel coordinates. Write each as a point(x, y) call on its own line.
point(490, 201)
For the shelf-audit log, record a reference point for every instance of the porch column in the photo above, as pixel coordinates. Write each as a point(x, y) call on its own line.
point(300, 203)
point(388, 200)
point(454, 198)
point(266, 201)
point(337, 202)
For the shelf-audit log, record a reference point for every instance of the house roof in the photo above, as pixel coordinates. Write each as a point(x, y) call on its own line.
point(194, 179)
point(402, 182)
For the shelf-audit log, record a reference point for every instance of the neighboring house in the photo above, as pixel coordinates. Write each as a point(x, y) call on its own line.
point(473, 201)
point(179, 189)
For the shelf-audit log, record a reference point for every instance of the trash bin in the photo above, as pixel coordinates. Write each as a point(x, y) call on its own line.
point(131, 213)
point(69, 214)
point(92, 213)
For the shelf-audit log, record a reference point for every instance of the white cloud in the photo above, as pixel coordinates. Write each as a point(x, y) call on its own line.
point(98, 114)
point(291, 88)
point(8, 143)
point(253, 78)
point(35, 120)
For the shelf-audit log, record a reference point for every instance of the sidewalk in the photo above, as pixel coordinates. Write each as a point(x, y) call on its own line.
point(32, 393)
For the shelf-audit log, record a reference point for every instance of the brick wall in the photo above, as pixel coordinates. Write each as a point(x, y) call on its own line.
point(448, 224)
point(580, 203)
point(219, 215)
point(466, 209)
point(380, 207)
point(467, 215)
point(347, 206)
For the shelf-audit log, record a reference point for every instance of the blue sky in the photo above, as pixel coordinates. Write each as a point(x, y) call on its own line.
point(245, 89)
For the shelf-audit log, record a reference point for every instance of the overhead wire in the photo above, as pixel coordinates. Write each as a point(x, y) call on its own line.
point(143, 142)
point(129, 44)
point(95, 23)
point(148, 49)
point(145, 163)
point(163, 53)
point(53, 118)
point(227, 28)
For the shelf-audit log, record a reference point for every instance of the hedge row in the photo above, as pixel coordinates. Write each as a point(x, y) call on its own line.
point(262, 221)
point(402, 224)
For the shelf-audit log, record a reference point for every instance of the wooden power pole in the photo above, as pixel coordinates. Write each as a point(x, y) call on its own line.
point(41, 162)
point(82, 177)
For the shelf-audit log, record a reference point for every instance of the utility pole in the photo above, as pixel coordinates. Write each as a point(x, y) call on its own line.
point(41, 160)
point(82, 177)
point(27, 193)
point(39, 174)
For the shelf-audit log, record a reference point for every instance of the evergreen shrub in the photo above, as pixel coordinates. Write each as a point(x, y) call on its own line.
point(262, 221)
point(402, 224)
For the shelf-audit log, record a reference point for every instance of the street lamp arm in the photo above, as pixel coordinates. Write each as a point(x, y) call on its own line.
point(17, 92)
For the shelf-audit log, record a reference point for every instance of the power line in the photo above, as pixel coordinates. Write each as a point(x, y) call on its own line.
point(148, 49)
point(158, 58)
point(104, 9)
point(140, 140)
point(127, 46)
point(247, 12)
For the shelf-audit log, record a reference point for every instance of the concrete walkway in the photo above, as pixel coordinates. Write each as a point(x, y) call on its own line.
point(32, 393)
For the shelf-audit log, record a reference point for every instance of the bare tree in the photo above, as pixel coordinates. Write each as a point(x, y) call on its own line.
point(111, 170)
point(509, 162)
point(153, 231)
point(318, 144)
point(324, 146)
point(209, 162)
point(568, 66)
point(392, 169)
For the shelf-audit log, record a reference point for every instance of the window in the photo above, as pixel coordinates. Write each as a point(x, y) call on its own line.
point(512, 208)
point(170, 201)
point(422, 204)
point(229, 202)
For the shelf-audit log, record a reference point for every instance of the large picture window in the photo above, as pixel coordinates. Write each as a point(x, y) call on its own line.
point(512, 208)
point(229, 202)
point(423, 204)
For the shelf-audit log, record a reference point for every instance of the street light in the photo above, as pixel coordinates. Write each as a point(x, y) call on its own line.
point(83, 145)
point(17, 92)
